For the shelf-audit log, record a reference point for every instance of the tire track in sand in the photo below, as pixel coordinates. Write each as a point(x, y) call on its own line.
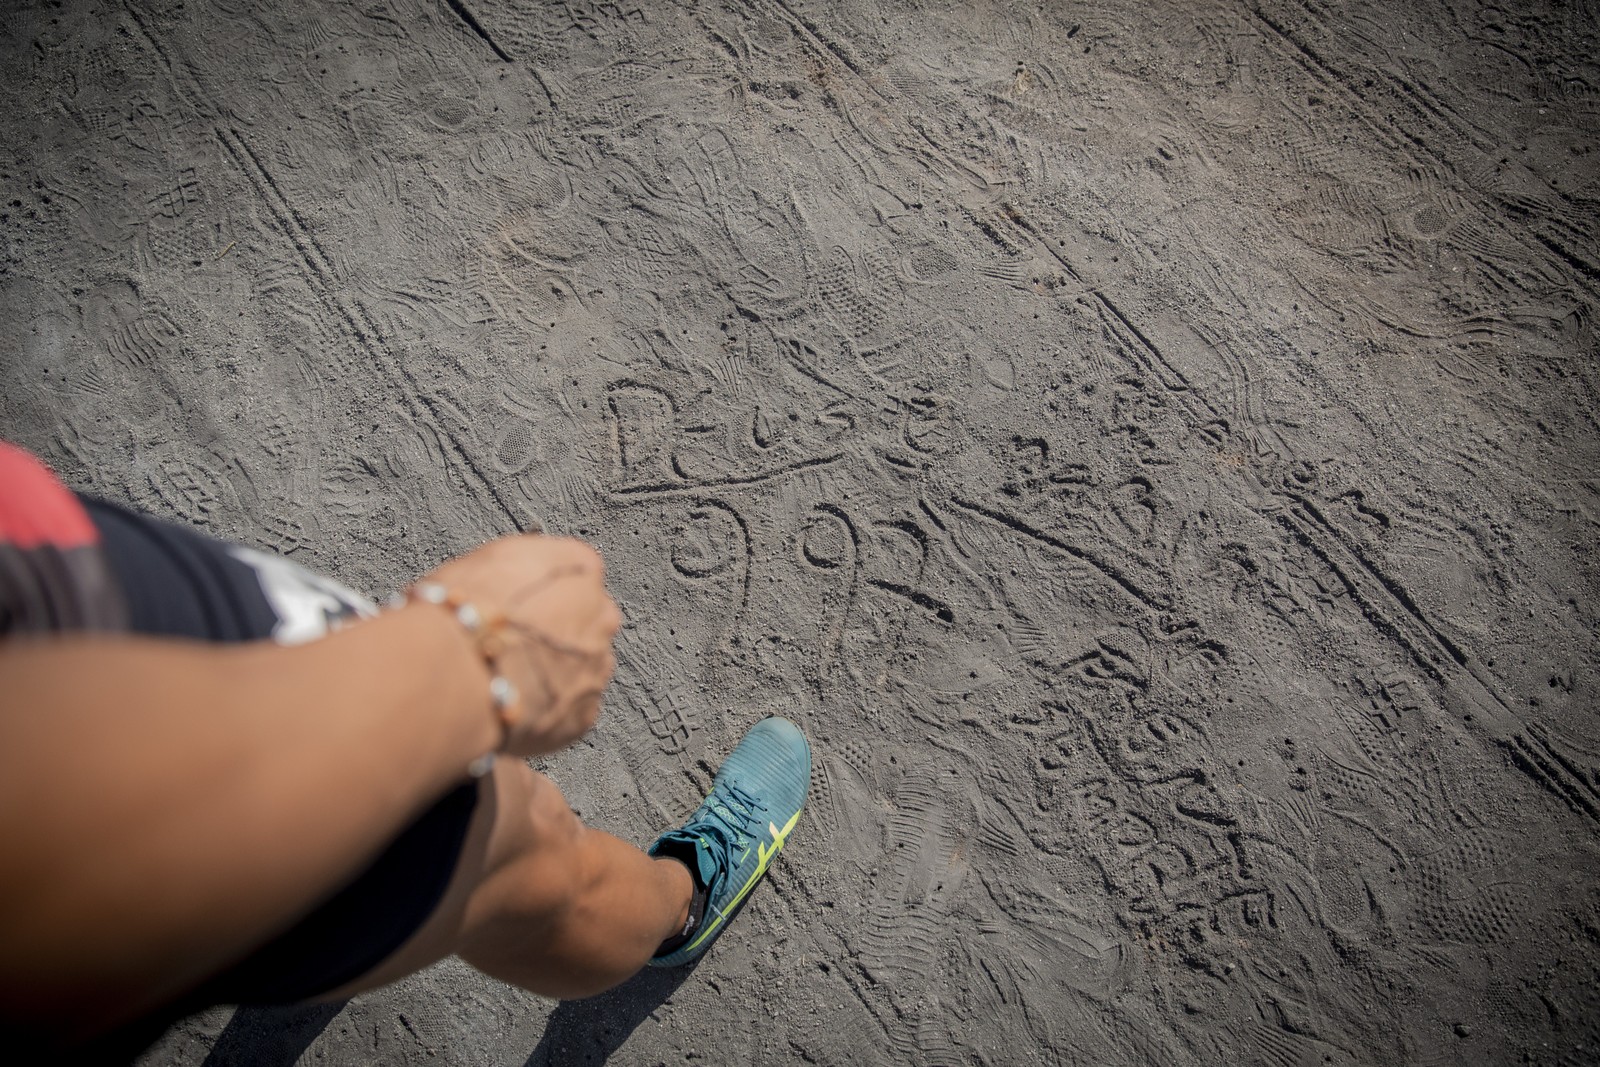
point(317, 269)
point(1384, 603)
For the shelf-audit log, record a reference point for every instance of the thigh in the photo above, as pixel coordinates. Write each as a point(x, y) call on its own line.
point(522, 824)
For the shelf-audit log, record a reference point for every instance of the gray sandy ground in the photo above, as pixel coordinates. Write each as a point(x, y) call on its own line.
point(1150, 448)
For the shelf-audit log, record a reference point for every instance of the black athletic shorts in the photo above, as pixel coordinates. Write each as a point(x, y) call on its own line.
point(176, 582)
point(179, 583)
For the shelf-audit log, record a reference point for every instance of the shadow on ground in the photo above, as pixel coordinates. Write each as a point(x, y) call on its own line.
point(589, 1031)
point(270, 1037)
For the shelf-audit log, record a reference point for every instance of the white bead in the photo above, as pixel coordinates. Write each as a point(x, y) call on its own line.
point(502, 692)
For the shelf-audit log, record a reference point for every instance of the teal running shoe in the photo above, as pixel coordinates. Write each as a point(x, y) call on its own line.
point(730, 840)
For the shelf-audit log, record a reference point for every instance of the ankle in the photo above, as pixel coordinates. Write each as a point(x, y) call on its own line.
point(680, 888)
point(693, 912)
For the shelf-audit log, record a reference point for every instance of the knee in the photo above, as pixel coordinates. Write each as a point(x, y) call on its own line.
point(555, 828)
point(543, 871)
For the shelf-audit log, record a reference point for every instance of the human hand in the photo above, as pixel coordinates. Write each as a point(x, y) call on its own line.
point(547, 624)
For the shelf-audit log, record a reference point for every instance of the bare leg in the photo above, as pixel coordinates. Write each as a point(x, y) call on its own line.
point(542, 901)
point(576, 911)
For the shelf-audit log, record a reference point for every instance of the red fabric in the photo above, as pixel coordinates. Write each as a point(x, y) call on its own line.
point(35, 508)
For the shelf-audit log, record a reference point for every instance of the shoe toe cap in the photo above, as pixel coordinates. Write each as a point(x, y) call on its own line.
point(778, 753)
point(778, 730)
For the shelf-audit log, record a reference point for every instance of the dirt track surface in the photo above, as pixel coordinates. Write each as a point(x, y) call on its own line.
point(1150, 449)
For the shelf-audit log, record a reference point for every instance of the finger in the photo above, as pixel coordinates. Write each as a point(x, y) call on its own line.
point(589, 712)
point(568, 549)
point(568, 589)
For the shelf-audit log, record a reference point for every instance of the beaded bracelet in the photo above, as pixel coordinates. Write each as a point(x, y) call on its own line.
point(486, 638)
